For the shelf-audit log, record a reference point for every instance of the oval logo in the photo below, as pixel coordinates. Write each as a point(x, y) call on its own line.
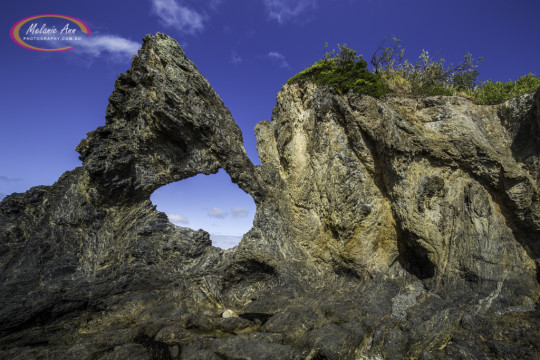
point(49, 33)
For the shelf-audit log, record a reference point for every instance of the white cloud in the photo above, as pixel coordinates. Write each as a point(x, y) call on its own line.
point(239, 212)
point(279, 58)
point(179, 17)
point(235, 59)
point(217, 213)
point(96, 45)
point(285, 10)
point(7, 178)
point(178, 219)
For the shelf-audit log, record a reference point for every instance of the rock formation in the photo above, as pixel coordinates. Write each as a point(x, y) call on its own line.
point(396, 228)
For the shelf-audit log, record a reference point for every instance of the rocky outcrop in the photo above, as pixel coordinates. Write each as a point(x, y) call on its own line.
point(396, 228)
point(410, 181)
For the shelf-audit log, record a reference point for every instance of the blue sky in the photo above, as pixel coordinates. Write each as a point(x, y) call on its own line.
point(246, 48)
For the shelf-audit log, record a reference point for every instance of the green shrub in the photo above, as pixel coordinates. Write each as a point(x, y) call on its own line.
point(393, 73)
point(344, 71)
point(427, 76)
point(490, 92)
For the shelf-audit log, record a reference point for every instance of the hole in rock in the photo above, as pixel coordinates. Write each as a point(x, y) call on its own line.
point(209, 202)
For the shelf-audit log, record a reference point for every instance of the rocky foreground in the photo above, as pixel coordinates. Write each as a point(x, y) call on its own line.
point(385, 229)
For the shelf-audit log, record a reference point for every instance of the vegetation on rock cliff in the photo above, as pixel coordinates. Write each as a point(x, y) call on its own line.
point(432, 77)
point(393, 73)
point(344, 71)
point(425, 77)
point(496, 92)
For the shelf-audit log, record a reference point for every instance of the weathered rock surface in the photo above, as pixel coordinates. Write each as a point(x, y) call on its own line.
point(397, 228)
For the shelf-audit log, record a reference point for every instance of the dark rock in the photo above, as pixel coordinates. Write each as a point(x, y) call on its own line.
point(247, 347)
point(128, 351)
point(202, 355)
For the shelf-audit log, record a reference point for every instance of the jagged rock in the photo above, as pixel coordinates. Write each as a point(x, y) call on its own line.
point(396, 228)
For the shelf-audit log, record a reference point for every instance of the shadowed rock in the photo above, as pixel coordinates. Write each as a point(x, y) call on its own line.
point(388, 228)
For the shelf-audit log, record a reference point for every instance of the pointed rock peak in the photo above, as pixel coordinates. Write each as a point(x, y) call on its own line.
point(164, 123)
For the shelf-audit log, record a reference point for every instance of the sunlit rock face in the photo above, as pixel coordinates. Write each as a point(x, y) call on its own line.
point(395, 228)
point(370, 182)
